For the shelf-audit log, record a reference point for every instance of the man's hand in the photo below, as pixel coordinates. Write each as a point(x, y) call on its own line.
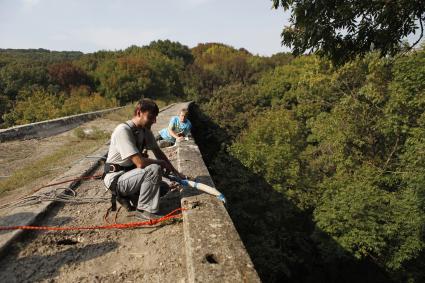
point(144, 154)
point(169, 168)
point(165, 165)
point(163, 161)
point(179, 139)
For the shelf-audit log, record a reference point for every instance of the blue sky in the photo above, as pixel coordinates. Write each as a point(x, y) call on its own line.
point(91, 25)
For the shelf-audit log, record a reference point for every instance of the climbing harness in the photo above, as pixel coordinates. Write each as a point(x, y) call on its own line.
point(112, 167)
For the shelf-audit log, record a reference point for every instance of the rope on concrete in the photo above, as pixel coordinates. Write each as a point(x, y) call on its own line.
point(171, 215)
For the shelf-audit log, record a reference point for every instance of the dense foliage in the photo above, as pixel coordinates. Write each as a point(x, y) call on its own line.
point(323, 166)
point(341, 30)
point(39, 84)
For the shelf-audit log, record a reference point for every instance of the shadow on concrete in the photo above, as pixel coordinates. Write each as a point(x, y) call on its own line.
point(22, 218)
point(14, 220)
point(278, 235)
point(44, 264)
point(170, 202)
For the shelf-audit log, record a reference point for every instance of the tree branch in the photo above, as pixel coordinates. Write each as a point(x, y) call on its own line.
point(391, 154)
point(422, 34)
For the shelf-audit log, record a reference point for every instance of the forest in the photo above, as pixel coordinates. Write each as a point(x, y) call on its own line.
point(323, 164)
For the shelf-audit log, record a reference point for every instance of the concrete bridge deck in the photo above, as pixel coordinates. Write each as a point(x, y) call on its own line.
point(203, 248)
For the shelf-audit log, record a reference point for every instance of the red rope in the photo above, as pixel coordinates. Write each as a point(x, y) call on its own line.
point(170, 215)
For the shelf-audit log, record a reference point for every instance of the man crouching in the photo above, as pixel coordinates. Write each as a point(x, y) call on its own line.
point(130, 174)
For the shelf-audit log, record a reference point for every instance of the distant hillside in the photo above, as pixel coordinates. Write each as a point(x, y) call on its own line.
point(38, 55)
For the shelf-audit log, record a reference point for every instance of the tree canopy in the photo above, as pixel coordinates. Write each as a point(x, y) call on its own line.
point(322, 164)
point(341, 30)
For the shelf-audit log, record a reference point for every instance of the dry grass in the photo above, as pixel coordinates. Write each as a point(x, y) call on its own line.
point(91, 134)
point(122, 114)
point(74, 149)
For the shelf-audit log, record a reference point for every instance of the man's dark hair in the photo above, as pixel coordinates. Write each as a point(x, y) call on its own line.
point(146, 104)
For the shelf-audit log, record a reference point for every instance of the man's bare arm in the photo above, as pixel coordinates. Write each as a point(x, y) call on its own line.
point(173, 133)
point(142, 162)
point(161, 156)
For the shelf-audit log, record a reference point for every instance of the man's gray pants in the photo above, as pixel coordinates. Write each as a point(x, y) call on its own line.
point(144, 182)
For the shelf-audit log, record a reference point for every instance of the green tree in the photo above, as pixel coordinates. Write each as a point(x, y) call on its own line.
point(341, 30)
point(36, 105)
point(173, 50)
point(20, 75)
point(125, 78)
point(270, 147)
point(369, 222)
point(138, 72)
point(219, 64)
point(5, 106)
point(232, 107)
point(344, 145)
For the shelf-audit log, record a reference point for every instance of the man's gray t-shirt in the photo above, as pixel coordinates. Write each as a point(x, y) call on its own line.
point(124, 144)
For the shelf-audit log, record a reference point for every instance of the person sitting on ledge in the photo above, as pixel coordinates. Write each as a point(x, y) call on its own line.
point(178, 129)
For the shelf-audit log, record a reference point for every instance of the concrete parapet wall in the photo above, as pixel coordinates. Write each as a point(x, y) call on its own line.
point(214, 250)
point(50, 127)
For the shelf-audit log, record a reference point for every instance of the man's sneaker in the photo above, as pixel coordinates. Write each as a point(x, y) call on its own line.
point(145, 215)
